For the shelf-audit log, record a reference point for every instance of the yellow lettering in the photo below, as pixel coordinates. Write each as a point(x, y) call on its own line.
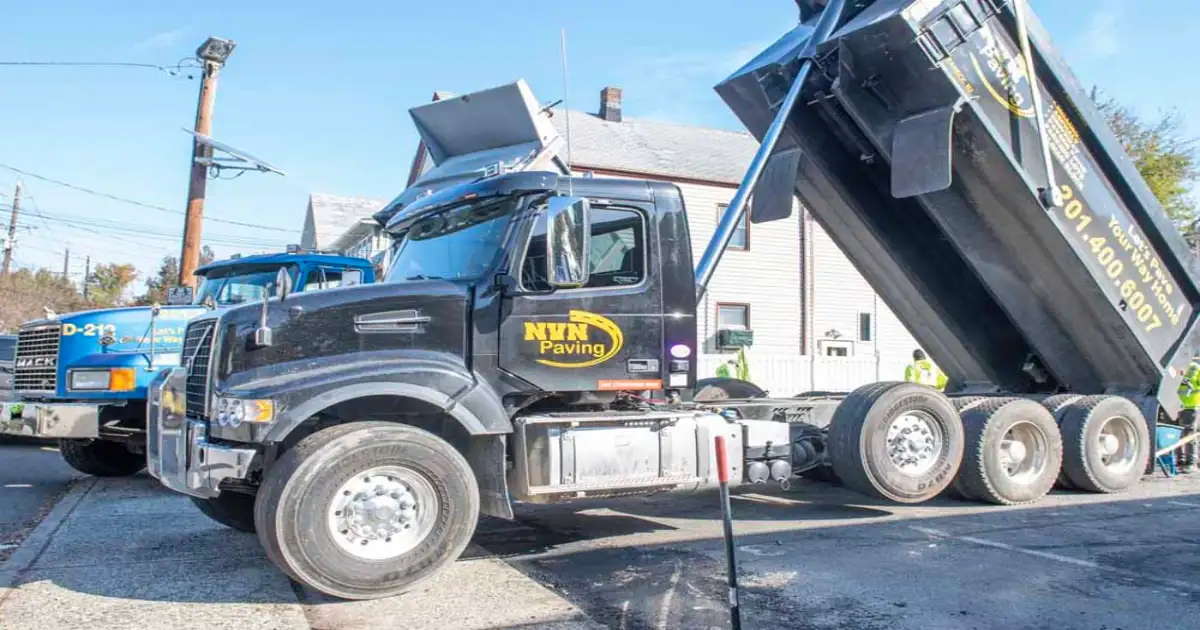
point(535, 331)
point(70, 329)
point(577, 332)
point(545, 346)
point(558, 330)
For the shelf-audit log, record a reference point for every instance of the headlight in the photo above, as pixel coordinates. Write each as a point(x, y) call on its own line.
point(232, 412)
point(113, 380)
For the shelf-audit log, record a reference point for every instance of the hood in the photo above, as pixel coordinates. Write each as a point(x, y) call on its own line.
point(314, 328)
point(128, 326)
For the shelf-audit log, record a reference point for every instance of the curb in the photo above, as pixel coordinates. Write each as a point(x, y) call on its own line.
point(33, 546)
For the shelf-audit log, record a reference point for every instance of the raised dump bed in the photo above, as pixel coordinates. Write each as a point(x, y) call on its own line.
point(915, 144)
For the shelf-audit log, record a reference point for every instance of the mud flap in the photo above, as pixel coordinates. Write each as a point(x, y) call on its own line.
point(776, 188)
point(921, 146)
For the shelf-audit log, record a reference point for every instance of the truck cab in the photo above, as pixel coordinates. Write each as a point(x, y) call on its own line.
point(82, 377)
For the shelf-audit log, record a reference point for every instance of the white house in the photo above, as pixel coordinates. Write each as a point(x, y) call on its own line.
point(817, 324)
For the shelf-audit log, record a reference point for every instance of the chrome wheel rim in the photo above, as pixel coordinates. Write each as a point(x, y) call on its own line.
point(383, 512)
point(914, 442)
point(1117, 444)
point(1024, 451)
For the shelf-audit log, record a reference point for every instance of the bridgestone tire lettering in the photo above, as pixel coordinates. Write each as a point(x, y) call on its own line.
point(858, 441)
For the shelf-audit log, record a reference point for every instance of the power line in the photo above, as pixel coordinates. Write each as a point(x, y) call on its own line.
point(175, 70)
point(134, 230)
point(133, 202)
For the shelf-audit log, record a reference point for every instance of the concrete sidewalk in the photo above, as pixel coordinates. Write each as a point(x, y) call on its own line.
point(126, 553)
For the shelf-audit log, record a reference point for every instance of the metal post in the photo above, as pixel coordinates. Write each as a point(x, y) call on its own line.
point(1051, 196)
point(12, 228)
point(189, 257)
point(737, 206)
point(735, 611)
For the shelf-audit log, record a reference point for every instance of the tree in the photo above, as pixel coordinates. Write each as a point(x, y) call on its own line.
point(1164, 157)
point(109, 281)
point(25, 295)
point(167, 277)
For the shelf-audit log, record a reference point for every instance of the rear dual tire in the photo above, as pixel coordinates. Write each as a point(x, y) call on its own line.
point(1106, 443)
point(1013, 453)
point(367, 510)
point(896, 441)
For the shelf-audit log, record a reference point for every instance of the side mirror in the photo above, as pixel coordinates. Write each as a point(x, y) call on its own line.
point(351, 277)
point(283, 283)
point(568, 234)
point(179, 295)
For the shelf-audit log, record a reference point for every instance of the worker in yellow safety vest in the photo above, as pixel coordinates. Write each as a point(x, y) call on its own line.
point(1189, 395)
point(924, 372)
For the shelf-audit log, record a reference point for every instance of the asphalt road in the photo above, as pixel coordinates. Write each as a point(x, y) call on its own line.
point(813, 558)
point(819, 557)
point(32, 477)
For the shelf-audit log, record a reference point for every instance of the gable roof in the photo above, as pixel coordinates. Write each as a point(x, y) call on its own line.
point(653, 148)
point(330, 216)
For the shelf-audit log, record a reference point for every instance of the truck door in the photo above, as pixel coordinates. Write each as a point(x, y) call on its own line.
point(606, 335)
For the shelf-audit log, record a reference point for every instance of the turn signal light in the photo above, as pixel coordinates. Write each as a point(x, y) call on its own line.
point(122, 380)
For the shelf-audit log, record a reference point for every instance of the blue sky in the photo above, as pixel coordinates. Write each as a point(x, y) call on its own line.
point(322, 90)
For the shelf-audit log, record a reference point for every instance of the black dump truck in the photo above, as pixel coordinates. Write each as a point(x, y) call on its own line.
point(535, 338)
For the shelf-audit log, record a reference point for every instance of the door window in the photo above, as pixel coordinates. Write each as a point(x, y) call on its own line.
point(617, 255)
point(322, 279)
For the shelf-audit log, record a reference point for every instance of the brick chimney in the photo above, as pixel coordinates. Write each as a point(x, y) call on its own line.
point(610, 104)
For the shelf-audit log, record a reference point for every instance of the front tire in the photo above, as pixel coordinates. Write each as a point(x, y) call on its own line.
point(231, 509)
point(897, 441)
point(367, 510)
point(101, 458)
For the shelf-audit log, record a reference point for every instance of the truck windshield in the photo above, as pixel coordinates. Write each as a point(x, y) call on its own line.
point(460, 243)
point(236, 288)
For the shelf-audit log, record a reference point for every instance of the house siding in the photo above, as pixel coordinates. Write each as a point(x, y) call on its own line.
point(839, 295)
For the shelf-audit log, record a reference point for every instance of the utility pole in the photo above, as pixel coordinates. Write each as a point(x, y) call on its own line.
point(12, 227)
point(212, 53)
point(87, 275)
point(67, 263)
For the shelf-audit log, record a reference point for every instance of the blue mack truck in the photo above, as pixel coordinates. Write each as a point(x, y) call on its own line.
point(81, 377)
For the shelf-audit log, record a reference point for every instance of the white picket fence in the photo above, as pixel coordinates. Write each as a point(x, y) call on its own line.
point(788, 375)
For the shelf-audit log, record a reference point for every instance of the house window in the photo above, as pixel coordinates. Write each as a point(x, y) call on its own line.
point(835, 347)
point(864, 327)
point(741, 233)
point(733, 317)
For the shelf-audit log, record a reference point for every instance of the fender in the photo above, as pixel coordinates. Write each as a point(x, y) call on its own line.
point(301, 391)
point(291, 418)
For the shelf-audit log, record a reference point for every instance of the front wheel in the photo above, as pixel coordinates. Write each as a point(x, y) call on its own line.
point(367, 510)
point(101, 458)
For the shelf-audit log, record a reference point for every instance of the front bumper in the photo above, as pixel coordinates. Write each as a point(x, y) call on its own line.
point(50, 420)
point(178, 452)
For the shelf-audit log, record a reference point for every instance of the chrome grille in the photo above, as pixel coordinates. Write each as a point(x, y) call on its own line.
point(197, 348)
point(35, 366)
